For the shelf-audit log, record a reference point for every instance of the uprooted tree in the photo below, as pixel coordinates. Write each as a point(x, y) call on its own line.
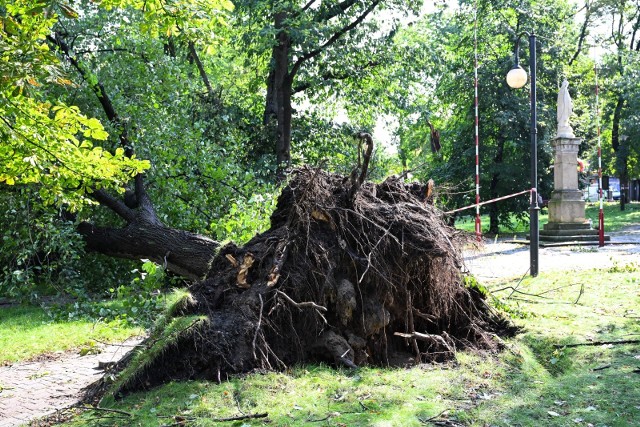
point(349, 273)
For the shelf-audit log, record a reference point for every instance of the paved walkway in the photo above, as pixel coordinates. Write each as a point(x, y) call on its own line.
point(497, 260)
point(35, 389)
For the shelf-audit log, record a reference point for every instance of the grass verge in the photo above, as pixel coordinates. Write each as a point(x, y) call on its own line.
point(540, 379)
point(27, 332)
point(614, 218)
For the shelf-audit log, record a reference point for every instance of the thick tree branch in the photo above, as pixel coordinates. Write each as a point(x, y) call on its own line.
point(144, 202)
point(146, 208)
point(184, 253)
point(308, 5)
point(583, 33)
point(114, 204)
point(334, 38)
point(335, 10)
point(201, 70)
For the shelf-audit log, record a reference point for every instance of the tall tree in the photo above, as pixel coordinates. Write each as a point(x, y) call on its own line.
point(442, 44)
point(624, 37)
point(313, 43)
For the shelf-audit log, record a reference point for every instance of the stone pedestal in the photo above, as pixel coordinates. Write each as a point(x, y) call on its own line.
point(566, 207)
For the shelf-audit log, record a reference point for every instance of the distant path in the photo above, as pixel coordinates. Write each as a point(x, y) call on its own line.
point(35, 389)
point(499, 260)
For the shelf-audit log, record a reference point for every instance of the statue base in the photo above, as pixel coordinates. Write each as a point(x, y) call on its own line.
point(570, 232)
point(567, 222)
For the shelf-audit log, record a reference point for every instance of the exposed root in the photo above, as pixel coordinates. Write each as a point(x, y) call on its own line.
point(350, 272)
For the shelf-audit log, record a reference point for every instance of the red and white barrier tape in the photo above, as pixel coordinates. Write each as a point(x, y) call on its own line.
point(490, 201)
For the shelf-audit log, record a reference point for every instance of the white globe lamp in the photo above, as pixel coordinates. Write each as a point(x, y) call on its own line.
point(516, 77)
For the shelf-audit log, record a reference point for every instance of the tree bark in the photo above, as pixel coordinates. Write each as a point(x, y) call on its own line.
point(184, 253)
point(279, 92)
point(494, 227)
point(283, 72)
point(621, 159)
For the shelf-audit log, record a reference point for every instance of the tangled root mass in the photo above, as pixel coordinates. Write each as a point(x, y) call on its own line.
point(352, 276)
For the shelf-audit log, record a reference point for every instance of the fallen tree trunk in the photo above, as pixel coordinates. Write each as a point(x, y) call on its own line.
point(351, 278)
point(184, 253)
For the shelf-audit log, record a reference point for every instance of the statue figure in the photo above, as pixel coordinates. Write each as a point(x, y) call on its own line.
point(565, 108)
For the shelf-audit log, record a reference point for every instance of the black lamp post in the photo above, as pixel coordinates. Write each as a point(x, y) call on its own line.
point(516, 78)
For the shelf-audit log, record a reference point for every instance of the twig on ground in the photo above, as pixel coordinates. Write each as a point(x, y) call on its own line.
point(99, 409)
point(424, 421)
point(601, 368)
point(520, 281)
point(541, 302)
point(580, 294)
point(515, 290)
point(239, 418)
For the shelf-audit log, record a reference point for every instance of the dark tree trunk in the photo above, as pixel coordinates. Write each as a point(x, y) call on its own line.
point(182, 252)
point(279, 92)
point(494, 226)
point(145, 236)
point(620, 151)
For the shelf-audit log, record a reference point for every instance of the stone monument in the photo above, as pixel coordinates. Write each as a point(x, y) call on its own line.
point(567, 220)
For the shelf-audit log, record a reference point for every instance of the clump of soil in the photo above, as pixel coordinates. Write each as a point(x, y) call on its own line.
point(350, 272)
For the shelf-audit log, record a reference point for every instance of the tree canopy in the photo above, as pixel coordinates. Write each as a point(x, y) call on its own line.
point(188, 114)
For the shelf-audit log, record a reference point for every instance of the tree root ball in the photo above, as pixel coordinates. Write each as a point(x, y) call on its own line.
point(370, 276)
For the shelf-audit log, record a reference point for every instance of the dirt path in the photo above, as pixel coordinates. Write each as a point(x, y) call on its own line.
point(34, 389)
point(500, 260)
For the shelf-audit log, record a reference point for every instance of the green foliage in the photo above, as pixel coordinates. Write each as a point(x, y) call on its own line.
point(631, 267)
point(40, 252)
point(138, 302)
point(471, 282)
point(245, 218)
point(165, 334)
point(504, 113)
point(550, 354)
point(48, 143)
point(27, 332)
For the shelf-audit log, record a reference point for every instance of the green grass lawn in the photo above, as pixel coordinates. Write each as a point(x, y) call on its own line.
point(614, 218)
point(536, 381)
point(26, 332)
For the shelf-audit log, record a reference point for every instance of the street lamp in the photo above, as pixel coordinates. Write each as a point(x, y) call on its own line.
point(516, 78)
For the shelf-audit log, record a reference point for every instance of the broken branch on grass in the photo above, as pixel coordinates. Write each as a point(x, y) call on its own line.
point(430, 338)
point(240, 418)
point(580, 294)
point(602, 368)
point(99, 409)
point(592, 343)
point(435, 417)
point(515, 290)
